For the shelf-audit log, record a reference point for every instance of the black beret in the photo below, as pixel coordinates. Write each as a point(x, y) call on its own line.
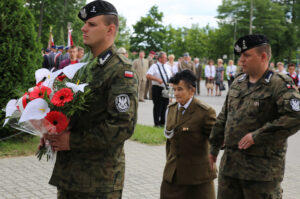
point(249, 41)
point(96, 8)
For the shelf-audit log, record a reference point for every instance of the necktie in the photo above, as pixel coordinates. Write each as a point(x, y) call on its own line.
point(180, 113)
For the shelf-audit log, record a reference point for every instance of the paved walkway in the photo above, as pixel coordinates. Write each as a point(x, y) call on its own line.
point(27, 178)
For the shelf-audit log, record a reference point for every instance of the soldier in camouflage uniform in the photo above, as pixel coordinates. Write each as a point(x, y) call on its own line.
point(90, 160)
point(262, 109)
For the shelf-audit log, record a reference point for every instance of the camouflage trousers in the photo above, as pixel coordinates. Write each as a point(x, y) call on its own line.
point(64, 194)
point(232, 188)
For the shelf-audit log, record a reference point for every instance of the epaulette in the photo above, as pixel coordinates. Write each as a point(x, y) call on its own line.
point(203, 105)
point(124, 59)
point(284, 77)
point(173, 104)
point(288, 81)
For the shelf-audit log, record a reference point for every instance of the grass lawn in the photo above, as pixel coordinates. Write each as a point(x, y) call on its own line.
point(27, 145)
point(148, 135)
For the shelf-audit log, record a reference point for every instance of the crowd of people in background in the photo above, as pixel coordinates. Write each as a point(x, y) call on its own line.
point(58, 57)
point(155, 71)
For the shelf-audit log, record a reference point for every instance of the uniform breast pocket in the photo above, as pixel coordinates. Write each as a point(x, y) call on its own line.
point(233, 100)
point(260, 104)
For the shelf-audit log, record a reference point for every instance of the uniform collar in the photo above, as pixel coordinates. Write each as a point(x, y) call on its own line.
point(106, 55)
point(186, 104)
point(266, 77)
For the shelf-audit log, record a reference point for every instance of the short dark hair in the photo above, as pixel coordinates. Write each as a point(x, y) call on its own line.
point(111, 19)
point(265, 48)
point(291, 65)
point(187, 76)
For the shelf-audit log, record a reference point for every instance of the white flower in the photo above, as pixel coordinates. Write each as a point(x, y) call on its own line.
point(35, 110)
point(76, 87)
point(71, 69)
point(10, 108)
point(49, 76)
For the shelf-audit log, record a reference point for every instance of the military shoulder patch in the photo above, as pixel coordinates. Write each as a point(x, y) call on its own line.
point(295, 104)
point(128, 74)
point(103, 59)
point(122, 103)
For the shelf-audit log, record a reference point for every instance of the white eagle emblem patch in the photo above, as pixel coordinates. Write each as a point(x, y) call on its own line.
point(295, 104)
point(122, 103)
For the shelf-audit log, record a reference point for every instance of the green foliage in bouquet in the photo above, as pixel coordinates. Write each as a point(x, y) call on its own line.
point(19, 53)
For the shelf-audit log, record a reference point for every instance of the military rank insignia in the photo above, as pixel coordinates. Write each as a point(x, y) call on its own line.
point(122, 103)
point(105, 58)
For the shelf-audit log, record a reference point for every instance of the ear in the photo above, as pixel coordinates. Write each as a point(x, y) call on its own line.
point(111, 30)
point(264, 57)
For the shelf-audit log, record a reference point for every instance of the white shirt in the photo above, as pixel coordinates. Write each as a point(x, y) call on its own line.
point(283, 71)
point(153, 70)
point(299, 80)
point(230, 70)
point(174, 68)
point(210, 71)
point(186, 105)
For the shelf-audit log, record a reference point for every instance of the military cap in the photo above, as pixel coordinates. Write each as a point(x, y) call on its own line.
point(96, 8)
point(249, 41)
point(67, 48)
point(186, 54)
point(60, 47)
point(53, 47)
point(47, 50)
point(121, 50)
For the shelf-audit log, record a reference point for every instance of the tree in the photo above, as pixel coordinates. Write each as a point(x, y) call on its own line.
point(123, 36)
point(268, 19)
point(20, 52)
point(149, 32)
point(57, 13)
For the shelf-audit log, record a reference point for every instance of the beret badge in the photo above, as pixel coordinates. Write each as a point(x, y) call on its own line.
point(237, 48)
point(83, 13)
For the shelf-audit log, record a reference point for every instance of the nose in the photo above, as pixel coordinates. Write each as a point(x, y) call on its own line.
point(84, 28)
point(242, 58)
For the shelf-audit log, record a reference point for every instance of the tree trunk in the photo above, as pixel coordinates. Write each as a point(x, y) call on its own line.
point(41, 19)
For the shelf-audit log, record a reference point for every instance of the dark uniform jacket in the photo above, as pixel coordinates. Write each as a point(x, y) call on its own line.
point(96, 161)
point(270, 110)
point(187, 150)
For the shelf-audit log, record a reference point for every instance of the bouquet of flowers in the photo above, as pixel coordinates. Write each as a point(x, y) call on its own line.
point(47, 107)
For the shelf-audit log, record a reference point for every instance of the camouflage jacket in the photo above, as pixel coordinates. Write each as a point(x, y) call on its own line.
point(96, 161)
point(270, 110)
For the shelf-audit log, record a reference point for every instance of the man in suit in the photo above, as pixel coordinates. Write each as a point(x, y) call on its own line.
point(140, 65)
point(187, 63)
point(187, 174)
point(198, 74)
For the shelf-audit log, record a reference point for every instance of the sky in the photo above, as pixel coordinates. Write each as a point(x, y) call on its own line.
point(178, 13)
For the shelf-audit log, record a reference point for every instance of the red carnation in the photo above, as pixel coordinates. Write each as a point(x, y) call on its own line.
point(56, 122)
point(39, 92)
point(62, 96)
point(61, 77)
